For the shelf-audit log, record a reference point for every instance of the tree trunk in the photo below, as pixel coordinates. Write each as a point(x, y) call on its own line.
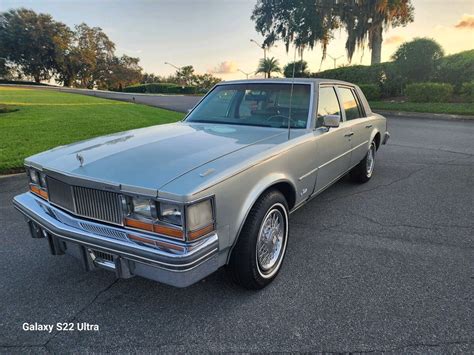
point(67, 81)
point(37, 78)
point(376, 45)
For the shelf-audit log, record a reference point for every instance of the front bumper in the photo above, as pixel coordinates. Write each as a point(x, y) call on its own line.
point(100, 245)
point(386, 137)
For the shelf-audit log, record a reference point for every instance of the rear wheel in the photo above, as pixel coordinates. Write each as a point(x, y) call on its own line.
point(363, 171)
point(261, 247)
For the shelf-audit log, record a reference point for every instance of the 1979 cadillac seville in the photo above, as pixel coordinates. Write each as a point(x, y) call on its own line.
point(174, 203)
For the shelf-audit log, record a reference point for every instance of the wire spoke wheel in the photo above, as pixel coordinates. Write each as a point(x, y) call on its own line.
point(271, 241)
point(370, 162)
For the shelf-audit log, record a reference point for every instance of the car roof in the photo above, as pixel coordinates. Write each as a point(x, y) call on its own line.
point(287, 80)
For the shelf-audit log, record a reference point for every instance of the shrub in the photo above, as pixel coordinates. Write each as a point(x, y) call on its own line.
point(467, 91)
point(371, 91)
point(416, 60)
point(456, 69)
point(429, 92)
point(161, 88)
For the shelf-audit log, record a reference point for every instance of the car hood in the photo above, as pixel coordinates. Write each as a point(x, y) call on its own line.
point(151, 157)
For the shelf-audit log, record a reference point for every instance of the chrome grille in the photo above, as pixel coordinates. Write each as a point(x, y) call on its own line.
point(104, 231)
point(103, 256)
point(60, 193)
point(98, 204)
point(86, 202)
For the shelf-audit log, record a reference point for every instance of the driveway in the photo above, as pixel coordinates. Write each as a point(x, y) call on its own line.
point(385, 266)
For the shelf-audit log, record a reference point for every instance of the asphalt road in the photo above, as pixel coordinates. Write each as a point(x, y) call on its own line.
point(385, 266)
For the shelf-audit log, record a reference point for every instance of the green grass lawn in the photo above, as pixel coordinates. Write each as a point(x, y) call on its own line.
point(437, 107)
point(45, 119)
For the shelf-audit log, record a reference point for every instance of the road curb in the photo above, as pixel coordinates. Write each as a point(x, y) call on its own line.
point(10, 175)
point(432, 116)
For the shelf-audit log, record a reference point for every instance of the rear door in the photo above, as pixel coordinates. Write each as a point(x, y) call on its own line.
point(332, 145)
point(357, 122)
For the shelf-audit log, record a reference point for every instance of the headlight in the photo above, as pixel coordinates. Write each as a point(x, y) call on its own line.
point(42, 178)
point(142, 213)
point(199, 219)
point(37, 183)
point(142, 207)
point(167, 218)
point(34, 176)
point(170, 213)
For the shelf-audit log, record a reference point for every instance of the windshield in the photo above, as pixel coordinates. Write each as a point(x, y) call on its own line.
point(265, 105)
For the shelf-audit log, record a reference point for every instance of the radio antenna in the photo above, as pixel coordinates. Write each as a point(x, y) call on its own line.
point(291, 94)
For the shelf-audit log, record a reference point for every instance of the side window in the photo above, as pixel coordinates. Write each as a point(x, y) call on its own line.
point(350, 104)
point(327, 104)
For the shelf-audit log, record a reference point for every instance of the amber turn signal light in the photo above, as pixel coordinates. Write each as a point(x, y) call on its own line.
point(138, 224)
point(36, 190)
point(147, 226)
point(168, 231)
point(200, 232)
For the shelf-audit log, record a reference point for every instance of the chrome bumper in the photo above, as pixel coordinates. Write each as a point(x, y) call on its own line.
point(102, 246)
point(386, 137)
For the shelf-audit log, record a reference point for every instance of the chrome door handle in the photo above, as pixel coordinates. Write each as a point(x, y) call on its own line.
point(368, 126)
point(349, 134)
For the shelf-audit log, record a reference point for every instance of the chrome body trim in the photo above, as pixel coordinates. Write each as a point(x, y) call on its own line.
point(308, 174)
point(341, 155)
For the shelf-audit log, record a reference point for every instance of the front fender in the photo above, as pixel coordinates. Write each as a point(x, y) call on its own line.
point(252, 196)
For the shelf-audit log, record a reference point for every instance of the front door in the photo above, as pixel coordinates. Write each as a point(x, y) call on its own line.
point(332, 145)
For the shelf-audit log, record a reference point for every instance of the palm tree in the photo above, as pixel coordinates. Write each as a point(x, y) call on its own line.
point(300, 67)
point(268, 66)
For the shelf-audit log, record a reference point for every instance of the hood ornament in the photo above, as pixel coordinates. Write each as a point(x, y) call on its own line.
point(80, 158)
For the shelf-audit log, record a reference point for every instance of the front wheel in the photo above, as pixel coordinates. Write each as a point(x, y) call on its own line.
point(261, 247)
point(363, 171)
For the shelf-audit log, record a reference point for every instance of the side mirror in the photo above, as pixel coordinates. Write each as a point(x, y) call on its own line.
point(331, 121)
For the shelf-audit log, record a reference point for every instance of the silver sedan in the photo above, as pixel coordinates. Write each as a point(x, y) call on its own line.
point(176, 202)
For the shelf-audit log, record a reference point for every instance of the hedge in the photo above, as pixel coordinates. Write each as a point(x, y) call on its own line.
point(383, 75)
point(467, 91)
point(456, 69)
point(429, 92)
point(161, 88)
point(371, 91)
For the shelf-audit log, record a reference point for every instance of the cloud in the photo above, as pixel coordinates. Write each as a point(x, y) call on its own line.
point(226, 67)
point(466, 22)
point(394, 40)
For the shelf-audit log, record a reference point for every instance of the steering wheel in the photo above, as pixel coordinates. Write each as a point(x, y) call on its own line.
point(277, 116)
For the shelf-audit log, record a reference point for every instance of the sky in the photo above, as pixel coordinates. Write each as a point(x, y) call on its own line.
point(214, 35)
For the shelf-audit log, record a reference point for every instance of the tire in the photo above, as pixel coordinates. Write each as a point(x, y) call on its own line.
point(254, 269)
point(363, 171)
